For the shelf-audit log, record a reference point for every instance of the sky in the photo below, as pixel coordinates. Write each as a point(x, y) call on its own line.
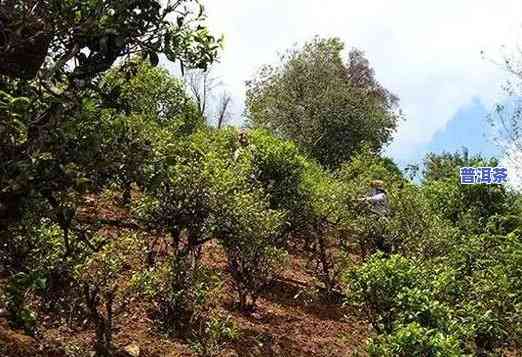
point(426, 52)
point(468, 128)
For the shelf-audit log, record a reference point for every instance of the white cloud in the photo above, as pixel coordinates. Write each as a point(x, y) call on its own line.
point(428, 53)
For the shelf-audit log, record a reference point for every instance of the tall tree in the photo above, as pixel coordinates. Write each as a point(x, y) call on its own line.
point(329, 107)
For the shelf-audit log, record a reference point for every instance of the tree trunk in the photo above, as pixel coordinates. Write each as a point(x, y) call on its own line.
point(108, 323)
point(326, 266)
point(127, 189)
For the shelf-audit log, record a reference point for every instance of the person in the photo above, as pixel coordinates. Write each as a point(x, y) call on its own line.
point(380, 210)
point(243, 143)
point(378, 198)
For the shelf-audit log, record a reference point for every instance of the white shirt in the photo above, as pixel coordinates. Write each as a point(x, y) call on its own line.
point(379, 202)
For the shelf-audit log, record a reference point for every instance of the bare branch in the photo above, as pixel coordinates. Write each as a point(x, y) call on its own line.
point(223, 109)
point(202, 85)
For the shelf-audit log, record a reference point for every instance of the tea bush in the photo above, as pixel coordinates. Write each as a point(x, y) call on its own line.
point(415, 340)
point(470, 295)
point(104, 282)
point(213, 334)
point(180, 306)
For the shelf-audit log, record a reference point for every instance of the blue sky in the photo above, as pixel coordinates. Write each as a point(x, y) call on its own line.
point(426, 52)
point(468, 128)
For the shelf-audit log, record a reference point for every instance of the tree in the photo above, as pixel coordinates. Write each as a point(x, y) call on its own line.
point(45, 96)
point(142, 100)
point(139, 88)
point(204, 192)
point(329, 107)
point(95, 34)
point(104, 281)
point(447, 165)
point(223, 113)
point(202, 85)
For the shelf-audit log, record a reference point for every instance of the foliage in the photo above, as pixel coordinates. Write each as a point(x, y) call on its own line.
point(38, 271)
point(415, 340)
point(70, 45)
point(410, 227)
point(213, 335)
point(470, 295)
point(68, 132)
point(405, 303)
point(413, 228)
point(278, 166)
point(327, 107)
point(205, 192)
point(366, 166)
point(81, 112)
point(139, 88)
point(248, 242)
point(181, 306)
point(378, 284)
point(189, 187)
point(136, 104)
point(96, 33)
point(104, 279)
point(488, 270)
point(464, 205)
point(322, 223)
point(18, 289)
point(452, 279)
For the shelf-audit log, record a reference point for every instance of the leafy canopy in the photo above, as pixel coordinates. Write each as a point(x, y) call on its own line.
point(328, 107)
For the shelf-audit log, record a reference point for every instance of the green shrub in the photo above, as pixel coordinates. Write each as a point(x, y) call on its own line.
point(413, 228)
point(471, 295)
point(415, 340)
point(103, 280)
point(468, 206)
point(19, 288)
point(365, 166)
point(488, 270)
point(213, 334)
point(39, 271)
point(323, 223)
point(202, 191)
point(278, 166)
point(248, 234)
point(377, 284)
point(182, 302)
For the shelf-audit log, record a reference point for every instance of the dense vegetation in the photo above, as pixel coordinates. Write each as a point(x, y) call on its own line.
point(95, 117)
point(325, 105)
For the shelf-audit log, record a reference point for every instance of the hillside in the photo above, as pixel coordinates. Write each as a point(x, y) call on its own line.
point(290, 319)
point(135, 222)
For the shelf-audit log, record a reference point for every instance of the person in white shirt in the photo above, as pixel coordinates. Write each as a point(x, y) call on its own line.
point(378, 198)
point(380, 209)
